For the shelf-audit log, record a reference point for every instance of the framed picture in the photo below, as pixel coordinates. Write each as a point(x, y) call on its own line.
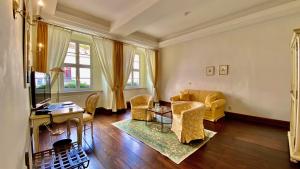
point(210, 70)
point(223, 69)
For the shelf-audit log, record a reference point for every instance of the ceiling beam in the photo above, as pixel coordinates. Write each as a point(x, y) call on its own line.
point(257, 17)
point(127, 23)
point(145, 14)
point(90, 27)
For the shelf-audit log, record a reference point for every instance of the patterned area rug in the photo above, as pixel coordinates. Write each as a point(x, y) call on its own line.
point(164, 142)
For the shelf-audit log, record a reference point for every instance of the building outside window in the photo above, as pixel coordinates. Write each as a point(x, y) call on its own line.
point(77, 66)
point(134, 77)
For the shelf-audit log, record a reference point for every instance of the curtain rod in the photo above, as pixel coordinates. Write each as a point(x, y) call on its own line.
point(90, 34)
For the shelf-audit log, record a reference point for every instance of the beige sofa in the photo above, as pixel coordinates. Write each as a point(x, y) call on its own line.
point(214, 102)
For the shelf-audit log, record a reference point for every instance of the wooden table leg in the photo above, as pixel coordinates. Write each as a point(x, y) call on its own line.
point(79, 131)
point(162, 123)
point(68, 128)
point(36, 138)
point(146, 117)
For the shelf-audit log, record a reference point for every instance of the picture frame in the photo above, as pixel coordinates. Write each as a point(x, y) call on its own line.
point(223, 69)
point(210, 70)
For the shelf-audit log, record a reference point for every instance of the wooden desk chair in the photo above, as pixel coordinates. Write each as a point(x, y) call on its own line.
point(89, 112)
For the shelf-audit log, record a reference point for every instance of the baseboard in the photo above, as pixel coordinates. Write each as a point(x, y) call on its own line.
point(261, 120)
point(102, 110)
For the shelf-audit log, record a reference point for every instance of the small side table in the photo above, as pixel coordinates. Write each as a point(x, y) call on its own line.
point(162, 111)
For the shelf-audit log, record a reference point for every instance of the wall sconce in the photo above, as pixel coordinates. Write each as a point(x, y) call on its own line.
point(16, 5)
point(35, 18)
point(40, 46)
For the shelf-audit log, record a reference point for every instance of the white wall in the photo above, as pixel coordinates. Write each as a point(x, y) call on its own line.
point(258, 83)
point(14, 99)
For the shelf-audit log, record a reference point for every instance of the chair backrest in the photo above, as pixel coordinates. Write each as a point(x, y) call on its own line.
point(91, 103)
point(200, 95)
point(140, 99)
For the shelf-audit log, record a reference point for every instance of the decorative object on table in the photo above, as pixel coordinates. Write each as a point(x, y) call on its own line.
point(164, 142)
point(64, 158)
point(56, 71)
point(156, 106)
point(188, 121)
point(210, 70)
point(223, 69)
point(88, 115)
point(139, 104)
point(214, 102)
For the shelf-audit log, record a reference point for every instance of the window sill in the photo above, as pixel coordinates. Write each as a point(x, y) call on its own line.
point(77, 92)
point(135, 88)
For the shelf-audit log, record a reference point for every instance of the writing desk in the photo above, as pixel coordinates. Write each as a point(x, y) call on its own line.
point(59, 115)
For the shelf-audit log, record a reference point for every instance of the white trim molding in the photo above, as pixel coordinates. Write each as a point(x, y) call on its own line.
point(257, 17)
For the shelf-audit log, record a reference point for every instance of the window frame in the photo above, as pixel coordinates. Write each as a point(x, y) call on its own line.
point(77, 67)
point(131, 77)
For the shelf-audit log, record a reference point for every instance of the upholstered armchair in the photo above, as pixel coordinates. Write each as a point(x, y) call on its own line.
point(139, 104)
point(188, 121)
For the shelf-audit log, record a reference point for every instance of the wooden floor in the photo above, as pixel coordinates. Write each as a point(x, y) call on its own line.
point(238, 145)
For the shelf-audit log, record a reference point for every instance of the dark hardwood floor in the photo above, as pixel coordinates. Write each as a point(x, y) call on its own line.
point(237, 145)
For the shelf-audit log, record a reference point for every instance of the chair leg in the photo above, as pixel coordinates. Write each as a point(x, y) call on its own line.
point(68, 128)
point(84, 129)
point(92, 129)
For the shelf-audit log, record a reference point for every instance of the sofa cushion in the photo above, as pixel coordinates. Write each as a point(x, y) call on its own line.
point(184, 96)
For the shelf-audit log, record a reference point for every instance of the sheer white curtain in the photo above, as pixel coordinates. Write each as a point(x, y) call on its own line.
point(150, 62)
point(104, 55)
point(58, 43)
point(128, 54)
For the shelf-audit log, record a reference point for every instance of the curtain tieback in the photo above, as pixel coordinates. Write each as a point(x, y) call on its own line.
point(114, 89)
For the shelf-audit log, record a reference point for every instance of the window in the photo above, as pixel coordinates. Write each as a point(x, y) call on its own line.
point(134, 77)
point(77, 66)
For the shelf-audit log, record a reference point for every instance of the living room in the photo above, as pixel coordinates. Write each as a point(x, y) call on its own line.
point(162, 83)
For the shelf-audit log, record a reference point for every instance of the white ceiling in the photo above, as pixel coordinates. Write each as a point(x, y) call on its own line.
point(105, 9)
point(165, 19)
point(202, 12)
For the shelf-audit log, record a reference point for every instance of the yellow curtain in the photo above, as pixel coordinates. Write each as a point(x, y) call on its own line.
point(42, 47)
point(118, 74)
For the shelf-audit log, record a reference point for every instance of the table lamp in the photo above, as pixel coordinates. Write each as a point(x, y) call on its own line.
point(57, 70)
